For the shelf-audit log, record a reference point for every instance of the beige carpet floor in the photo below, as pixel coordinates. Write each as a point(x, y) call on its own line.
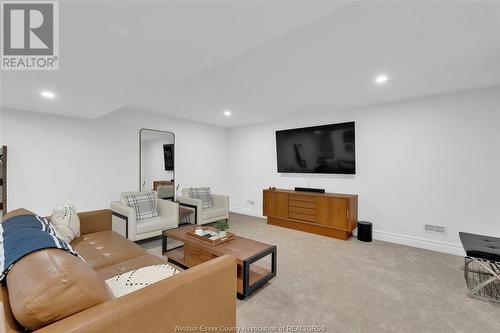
point(351, 286)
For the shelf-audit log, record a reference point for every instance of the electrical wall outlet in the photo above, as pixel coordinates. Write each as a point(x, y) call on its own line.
point(251, 202)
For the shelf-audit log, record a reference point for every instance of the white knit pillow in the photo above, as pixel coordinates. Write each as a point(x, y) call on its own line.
point(66, 222)
point(136, 279)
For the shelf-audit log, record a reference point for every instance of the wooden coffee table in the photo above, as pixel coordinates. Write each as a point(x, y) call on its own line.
point(246, 251)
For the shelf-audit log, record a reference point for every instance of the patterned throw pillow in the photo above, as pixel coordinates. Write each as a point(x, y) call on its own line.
point(144, 204)
point(125, 283)
point(202, 193)
point(66, 222)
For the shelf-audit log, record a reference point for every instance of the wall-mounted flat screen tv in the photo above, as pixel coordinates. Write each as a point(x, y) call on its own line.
point(320, 149)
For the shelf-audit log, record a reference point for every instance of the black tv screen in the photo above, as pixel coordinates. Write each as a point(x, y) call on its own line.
point(319, 149)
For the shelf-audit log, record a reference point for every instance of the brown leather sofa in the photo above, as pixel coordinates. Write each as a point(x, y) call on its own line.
point(203, 297)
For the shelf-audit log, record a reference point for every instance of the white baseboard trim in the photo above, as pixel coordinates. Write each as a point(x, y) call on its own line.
point(385, 236)
point(246, 211)
point(422, 243)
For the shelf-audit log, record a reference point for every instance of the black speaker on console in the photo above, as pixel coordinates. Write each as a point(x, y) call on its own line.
point(308, 189)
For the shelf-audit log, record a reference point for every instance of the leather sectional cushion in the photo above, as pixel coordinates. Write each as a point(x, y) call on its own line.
point(8, 323)
point(17, 212)
point(94, 221)
point(106, 248)
point(49, 285)
point(129, 265)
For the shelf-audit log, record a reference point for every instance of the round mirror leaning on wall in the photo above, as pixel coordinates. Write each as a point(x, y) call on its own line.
point(156, 166)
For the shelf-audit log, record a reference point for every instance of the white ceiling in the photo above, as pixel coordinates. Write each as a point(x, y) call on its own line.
point(261, 60)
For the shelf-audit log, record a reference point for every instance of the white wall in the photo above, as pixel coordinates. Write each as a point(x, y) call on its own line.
point(433, 160)
point(153, 162)
point(54, 158)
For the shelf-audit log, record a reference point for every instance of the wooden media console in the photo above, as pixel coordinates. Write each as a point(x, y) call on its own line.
point(327, 214)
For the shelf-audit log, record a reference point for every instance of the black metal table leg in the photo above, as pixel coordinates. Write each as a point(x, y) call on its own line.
point(250, 289)
point(163, 244)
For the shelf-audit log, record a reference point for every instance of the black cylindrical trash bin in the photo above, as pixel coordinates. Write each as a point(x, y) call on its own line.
point(365, 231)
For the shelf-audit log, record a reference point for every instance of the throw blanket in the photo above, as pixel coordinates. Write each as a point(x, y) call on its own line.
point(25, 234)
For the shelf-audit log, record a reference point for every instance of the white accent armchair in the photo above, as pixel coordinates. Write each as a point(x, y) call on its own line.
point(125, 222)
point(219, 211)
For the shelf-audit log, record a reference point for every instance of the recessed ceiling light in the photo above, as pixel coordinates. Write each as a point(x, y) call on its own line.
point(48, 94)
point(227, 113)
point(381, 79)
